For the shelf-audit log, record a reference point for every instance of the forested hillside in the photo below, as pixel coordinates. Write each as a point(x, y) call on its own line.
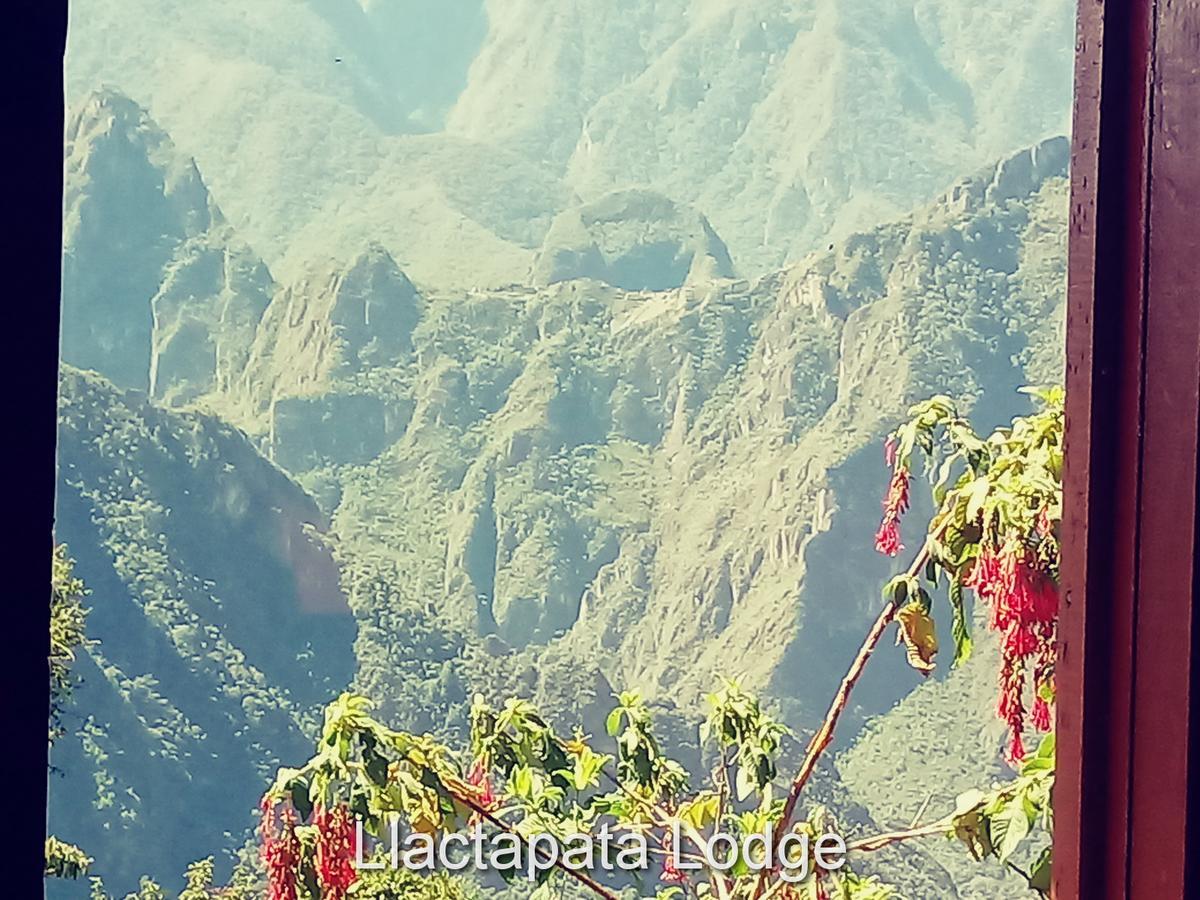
point(217, 622)
point(555, 362)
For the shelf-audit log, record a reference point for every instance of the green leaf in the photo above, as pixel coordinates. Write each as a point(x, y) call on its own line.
point(1039, 878)
point(701, 811)
point(968, 800)
point(613, 723)
point(376, 767)
point(958, 626)
point(1009, 828)
point(918, 634)
point(976, 496)
point(298, 791)
point(744, 782)
point(1045, 749)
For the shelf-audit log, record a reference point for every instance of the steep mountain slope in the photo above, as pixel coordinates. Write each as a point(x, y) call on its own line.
point(254, 91)
point(291, 107)
point(455, 213)
point(158, 293)
point(217, 623)
point(666, 485)
point(787, 123)
point(659, 487)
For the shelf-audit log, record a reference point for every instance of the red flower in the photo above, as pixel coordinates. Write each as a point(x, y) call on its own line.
point(1023, 605)
point(485, 798)
point(335, 851)
point(1019, 641)
point(1016, 749)
point(671, 874)
point(280, 850)
point(895, 505)
point(1041, 715)
point(887, 538)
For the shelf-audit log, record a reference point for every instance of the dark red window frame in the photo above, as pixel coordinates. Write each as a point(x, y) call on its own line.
point(1126, 798)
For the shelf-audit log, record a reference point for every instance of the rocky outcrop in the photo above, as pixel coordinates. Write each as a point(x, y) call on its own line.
point(320, 337)
point(334, 322)
point(635, 240)
point(158, 293)
point(205, 313)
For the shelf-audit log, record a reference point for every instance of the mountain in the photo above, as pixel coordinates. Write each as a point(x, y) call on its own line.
point(157, 290)
point(788, 123)
point(218, 629)
point(537, 349)
point(699, 461)
point(785, 123)
point(635, 240)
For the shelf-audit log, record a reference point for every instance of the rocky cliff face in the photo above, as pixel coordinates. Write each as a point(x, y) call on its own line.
point(673, 483)
point(316, 346)
point(218, 623)
point(158, 293)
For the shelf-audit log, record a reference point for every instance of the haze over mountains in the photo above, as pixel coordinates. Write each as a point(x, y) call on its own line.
point(541, 347)
point(786, 123)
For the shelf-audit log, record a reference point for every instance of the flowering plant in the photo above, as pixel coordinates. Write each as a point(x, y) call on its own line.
point(993, 533)
point(998, 505)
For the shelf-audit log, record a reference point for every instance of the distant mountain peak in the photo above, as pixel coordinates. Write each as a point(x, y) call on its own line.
point(635, 239)
point(159, 294)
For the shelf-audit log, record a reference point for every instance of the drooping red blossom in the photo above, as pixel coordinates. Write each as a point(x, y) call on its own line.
point(1016, 748)
point(1041, 714)
point(280, 849)
point(895, 505)
point(671, 874)
point(486, 798)
point(335, 851)
point(1022, 602)
point(887, 538)
point(478, 776)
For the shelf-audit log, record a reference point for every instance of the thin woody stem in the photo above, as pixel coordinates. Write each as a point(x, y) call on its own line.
point(879, 841)
point(823, 737)
point(582, 877)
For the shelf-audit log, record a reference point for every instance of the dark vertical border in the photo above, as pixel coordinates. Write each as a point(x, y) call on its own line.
point(1127, 649)
point(35, 38)
point(1162, 701)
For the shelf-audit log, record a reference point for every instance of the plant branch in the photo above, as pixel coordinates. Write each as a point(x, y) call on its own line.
point(582, 877)
point(822, 738)
point(879, 841)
